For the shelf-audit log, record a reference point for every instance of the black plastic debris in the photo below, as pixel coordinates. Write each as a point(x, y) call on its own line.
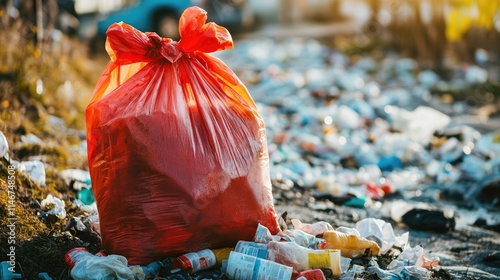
point(482, 223)
point(428, 220)
point(493, 259)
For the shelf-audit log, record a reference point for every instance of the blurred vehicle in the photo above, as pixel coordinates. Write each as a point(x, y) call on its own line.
point(162, 16)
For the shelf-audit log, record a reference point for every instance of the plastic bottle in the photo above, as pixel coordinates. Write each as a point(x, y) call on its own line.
point(351, 246)
point(292, 254)
point(242, 267)
point(201, 260)
point(301, 258)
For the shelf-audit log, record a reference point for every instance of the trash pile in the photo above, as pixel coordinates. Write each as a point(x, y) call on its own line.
point(296, 253)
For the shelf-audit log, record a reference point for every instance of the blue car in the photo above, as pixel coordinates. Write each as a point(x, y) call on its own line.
point(162, 16)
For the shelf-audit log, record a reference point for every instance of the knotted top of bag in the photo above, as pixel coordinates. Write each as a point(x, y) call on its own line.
point(126, 45)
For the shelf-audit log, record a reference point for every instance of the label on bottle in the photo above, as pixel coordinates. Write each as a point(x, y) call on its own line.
point(255, 249)
point(327, 258)
point(200, 260)
point(244, 267)
point(319, 259)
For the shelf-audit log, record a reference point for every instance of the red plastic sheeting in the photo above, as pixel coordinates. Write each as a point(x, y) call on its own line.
point(177, 150)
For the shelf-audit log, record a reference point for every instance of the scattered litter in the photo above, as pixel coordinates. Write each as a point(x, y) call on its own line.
point(31, 138)
point(493, 258)
point(86, 266)
point(4, 145)
point(35, 169)
point(54, 206)
point(382, 233)
point(76, 179)
point(314, 229)
point(86, 196)
point(283, 259)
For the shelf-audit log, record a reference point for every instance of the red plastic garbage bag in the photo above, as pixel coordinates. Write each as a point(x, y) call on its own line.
point(177, 150)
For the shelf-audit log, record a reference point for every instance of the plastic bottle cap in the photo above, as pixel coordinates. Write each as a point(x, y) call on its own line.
point(182, 262)
point(67, 256)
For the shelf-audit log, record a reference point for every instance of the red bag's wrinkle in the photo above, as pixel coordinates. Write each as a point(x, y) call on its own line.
point(103, 82)
point(227, 78)
point(128, 45)
point(196, 35)
point(218, 118)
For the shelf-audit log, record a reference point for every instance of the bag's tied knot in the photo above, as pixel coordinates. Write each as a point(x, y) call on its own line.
point(126, 44)
point(163, 47)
